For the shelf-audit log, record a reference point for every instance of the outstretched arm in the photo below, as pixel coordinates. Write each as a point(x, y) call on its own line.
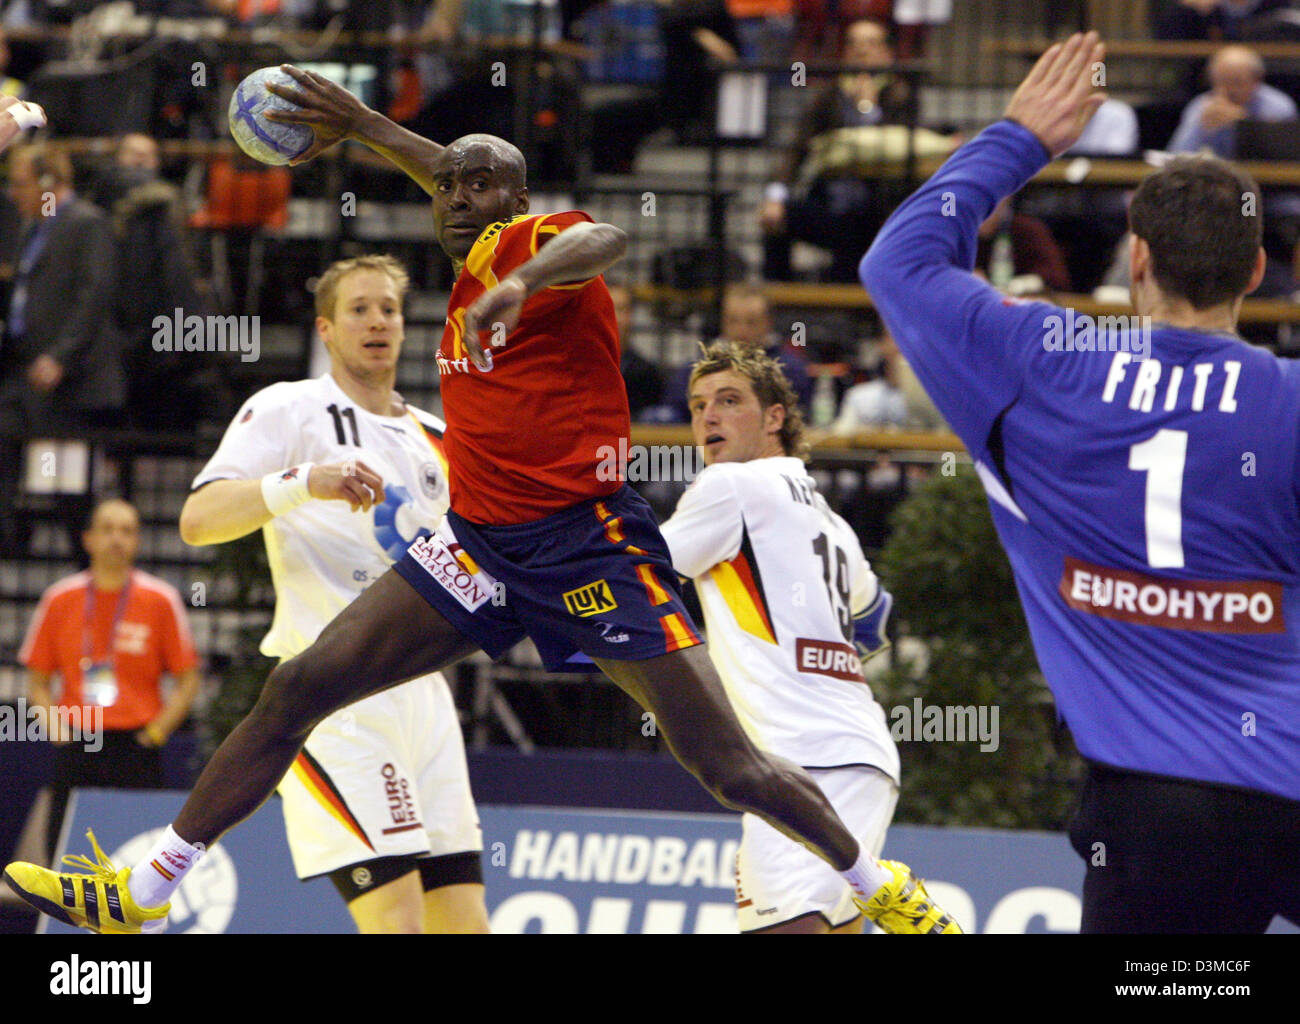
point(335, 114)
point(577, 253)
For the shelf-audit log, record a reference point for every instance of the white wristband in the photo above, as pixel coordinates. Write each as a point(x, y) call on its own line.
point(28, 115)
point(776, 192)
point(286, 489)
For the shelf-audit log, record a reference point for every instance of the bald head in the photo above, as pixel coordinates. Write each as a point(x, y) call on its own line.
point(491, 151)
point(1236, 73)
point(478, 180)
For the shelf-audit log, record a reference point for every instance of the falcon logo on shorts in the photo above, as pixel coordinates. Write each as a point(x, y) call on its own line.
point(468, 584)
point(590, 599)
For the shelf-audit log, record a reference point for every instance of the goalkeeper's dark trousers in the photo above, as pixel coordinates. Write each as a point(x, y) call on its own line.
point(1174, 856)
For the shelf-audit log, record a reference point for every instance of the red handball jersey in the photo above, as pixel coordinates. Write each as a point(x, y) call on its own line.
point(538, 432)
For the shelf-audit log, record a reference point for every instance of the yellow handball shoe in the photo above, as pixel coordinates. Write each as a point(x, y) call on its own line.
point(903, 907)
point(99, 900)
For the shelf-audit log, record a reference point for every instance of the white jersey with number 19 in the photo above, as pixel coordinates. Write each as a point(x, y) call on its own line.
point(781, 578)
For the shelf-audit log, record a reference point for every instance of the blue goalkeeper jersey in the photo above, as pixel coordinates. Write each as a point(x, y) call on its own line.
point(1143, 483)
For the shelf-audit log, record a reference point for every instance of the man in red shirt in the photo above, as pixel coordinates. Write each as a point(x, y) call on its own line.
point(539, 542)
point(110, 633)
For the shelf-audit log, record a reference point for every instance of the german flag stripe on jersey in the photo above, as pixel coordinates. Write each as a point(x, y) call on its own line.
point(678, 633)
point(434, 436)
point(653, 588)
point(741, 587)
point(309, 772)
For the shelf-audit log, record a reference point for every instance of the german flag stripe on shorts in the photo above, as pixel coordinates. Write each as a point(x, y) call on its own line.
point(309, 772)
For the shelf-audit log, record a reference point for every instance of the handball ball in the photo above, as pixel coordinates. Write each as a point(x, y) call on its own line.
point(264, 140)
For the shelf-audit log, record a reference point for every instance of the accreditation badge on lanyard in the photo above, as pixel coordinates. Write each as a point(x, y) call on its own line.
point(99, 675)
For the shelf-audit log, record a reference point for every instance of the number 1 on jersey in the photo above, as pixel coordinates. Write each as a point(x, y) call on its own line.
point(1163, 458)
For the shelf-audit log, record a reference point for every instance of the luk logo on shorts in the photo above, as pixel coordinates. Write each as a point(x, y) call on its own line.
point(591, 599)
point(471, 589)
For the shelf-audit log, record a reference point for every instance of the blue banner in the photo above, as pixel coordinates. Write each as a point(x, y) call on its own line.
point(560, 871)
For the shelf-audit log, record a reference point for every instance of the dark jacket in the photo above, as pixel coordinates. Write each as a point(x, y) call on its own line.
point(69, 309)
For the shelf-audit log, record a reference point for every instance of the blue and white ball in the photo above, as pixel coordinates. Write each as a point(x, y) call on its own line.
point(264, 140)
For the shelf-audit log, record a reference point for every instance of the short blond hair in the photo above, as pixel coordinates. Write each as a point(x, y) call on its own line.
point(769, 382)
point(327, 286)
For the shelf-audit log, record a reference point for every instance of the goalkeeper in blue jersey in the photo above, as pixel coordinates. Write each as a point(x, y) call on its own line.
point(1144, 476)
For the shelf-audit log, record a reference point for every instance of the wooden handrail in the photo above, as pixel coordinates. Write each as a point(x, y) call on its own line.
point(1149, 49)
point(852, 296)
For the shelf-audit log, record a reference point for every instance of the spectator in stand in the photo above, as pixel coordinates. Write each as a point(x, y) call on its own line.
point(153, 278)
point(641, 377)
point(696, 33)
point(61, 363)
point(1014, 245)
point(841, 213)
point(747, 321)
point(110, 634)
point(893, 399)
point(876, 403)
point(1218, 21)
point(1238, 92)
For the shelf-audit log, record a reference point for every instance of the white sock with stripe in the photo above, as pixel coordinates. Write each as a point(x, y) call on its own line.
point(867, 875)
point(162, 870)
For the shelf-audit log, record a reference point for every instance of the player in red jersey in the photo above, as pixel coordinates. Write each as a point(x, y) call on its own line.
point(537, 543)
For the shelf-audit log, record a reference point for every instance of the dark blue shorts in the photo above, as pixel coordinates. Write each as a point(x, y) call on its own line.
point(595, 578)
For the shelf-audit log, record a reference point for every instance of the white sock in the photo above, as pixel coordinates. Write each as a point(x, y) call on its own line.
point(867, 875)
point(162, 870)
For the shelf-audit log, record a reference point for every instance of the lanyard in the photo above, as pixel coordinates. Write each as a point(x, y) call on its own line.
point(87, 642)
